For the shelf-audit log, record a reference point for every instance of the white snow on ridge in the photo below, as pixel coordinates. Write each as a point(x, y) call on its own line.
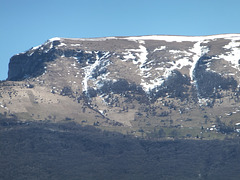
point(41, 46)
point(163, 38)
point(36, 47)
point(93, 39)
point(54, 39)
point(170, 38)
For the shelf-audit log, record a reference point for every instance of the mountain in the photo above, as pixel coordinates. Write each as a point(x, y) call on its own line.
point(134, 85)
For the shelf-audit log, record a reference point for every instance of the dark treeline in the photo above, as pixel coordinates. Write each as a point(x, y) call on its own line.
point(41, 150)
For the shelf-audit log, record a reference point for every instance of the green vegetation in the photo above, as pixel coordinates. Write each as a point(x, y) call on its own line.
point(43, 150)
point(165, 133)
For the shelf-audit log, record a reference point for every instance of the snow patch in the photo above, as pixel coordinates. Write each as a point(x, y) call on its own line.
point(31, 53)
point(147, 87)
point(160, 48)
point(74, 45)
point(128, 56)
point(62, 44)
point(101, 111)
point(234, 56)
point(175, 51)
point(203, 101)
point(74, 64)
point(138, 55)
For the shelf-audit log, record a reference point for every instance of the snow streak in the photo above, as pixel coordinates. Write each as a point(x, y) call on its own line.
point(88, 70)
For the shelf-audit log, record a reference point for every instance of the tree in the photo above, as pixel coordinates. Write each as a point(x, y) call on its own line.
point(66, 91)
point(161, 133)
point(174, 133)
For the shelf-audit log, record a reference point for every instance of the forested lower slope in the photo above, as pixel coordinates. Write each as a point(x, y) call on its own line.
point(43, 150)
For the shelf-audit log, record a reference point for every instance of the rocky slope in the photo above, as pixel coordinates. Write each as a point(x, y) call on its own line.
point(139, 82)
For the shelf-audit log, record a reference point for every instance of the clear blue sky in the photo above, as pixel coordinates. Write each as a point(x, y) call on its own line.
point(28, 23)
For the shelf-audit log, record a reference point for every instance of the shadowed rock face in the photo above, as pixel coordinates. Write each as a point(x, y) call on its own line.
point(32, 62)
point(209, 82)
point(145, 76)
point(23, 66)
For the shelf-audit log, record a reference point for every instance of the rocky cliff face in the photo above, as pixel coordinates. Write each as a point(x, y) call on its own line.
point(131, 81)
